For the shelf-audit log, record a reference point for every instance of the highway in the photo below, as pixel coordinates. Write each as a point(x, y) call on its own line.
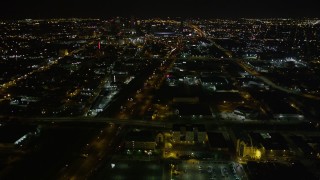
point(144, 123)
point(204, 35)
point(270, 83)
point(139, 103)
point(93, 154)
point(242, 64)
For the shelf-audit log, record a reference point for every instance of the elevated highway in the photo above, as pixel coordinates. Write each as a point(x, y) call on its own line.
point(142, 122)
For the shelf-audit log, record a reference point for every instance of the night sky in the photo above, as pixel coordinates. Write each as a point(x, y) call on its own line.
point(158, 8)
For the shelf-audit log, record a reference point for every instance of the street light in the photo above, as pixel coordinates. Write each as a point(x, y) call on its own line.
point(172, 166)
point(149, 153)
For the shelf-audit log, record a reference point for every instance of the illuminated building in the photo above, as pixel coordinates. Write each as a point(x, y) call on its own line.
point(189, 134)
point(143, 140)
point(256, 146)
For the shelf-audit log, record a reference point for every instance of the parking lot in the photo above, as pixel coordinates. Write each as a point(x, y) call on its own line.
point(127, 169)
point(176, 169)
point(193, 169)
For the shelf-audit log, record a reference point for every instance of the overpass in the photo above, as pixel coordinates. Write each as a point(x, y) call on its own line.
point(141, 122)
point(255, 73)
point(204, 35)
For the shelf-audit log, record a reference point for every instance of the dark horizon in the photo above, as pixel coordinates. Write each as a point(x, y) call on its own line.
point(18, 9)
point(199, 89)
